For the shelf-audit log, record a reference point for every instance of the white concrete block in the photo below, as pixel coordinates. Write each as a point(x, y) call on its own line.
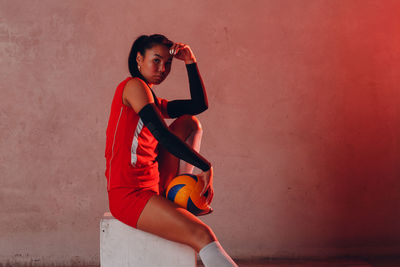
point(124, 246)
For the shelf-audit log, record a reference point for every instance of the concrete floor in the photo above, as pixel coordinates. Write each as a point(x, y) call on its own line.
point(320, 263)
point(317, 263)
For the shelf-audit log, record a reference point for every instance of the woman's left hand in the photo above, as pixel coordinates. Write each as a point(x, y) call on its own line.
point(206, 184)
point(182, 52)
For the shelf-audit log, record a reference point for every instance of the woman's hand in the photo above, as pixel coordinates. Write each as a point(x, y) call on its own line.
point(207, 179)
point(182, 52)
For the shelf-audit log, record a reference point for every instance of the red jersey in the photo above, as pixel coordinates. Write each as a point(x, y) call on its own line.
point(131, 149)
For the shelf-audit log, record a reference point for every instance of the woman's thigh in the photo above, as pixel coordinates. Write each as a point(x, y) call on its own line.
point(166, 219)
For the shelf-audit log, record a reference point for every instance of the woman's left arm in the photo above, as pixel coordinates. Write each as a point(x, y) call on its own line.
point(198, 102)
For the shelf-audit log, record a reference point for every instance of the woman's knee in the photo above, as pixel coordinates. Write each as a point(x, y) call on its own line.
point(190, 122)
point(185, 125)
point(202, 235)
point(193, 122)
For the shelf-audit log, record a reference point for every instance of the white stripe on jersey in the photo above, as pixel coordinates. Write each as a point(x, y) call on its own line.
point(135, 142)
point(112, 149)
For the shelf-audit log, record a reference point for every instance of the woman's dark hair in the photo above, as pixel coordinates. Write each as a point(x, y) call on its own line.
point(141, 44)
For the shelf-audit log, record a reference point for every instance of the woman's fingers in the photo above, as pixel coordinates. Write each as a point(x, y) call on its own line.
point(177, 47)
point(207, 184)
point(210, 195)
point(204, 190)
point(173, 48)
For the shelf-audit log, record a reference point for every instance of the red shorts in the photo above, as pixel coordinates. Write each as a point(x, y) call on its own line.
point(127, 203)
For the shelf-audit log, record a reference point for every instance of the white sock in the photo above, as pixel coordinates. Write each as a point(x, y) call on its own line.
point(194, 141)
point(213, 255)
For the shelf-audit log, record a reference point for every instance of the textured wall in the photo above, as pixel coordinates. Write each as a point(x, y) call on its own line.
point(303, 127)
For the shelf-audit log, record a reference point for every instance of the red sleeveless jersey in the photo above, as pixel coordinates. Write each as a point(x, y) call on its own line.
point(131, 149)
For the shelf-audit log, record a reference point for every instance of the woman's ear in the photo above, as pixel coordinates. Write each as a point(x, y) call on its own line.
point(139, 58)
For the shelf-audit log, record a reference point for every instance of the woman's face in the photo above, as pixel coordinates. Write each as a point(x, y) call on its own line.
point(155, 65)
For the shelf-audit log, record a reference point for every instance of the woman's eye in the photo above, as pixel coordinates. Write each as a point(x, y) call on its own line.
point(156, 60)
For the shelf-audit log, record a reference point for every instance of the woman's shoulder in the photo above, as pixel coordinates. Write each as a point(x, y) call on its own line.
point(136, 93)
point(135, 83)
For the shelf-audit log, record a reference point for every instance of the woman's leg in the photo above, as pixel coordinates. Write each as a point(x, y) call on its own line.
point(163, 217)
point(166, 219)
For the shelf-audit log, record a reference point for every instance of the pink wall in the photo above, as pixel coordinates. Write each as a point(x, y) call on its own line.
point(303, 127)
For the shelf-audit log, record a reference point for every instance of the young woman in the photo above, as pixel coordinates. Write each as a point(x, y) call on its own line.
point(143, 154)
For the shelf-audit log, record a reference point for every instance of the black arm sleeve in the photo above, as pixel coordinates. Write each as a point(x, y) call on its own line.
point(154, 122)
point(198, 102)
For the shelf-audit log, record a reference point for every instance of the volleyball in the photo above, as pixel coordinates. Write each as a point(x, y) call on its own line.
point(185, 190)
